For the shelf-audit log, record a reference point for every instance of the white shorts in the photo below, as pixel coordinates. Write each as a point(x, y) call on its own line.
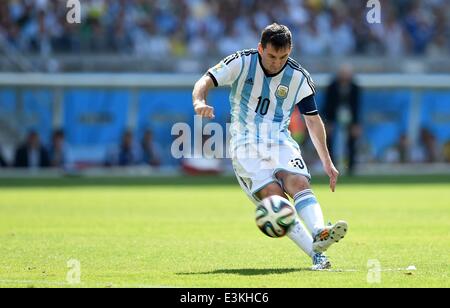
point(255, 172)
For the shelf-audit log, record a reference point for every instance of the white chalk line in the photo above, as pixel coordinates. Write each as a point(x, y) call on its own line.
point(365, 271)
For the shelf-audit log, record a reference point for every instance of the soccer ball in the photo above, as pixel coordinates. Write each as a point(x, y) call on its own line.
point(275, 216)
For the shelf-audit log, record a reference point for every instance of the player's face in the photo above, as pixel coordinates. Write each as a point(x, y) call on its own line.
point(274, 60)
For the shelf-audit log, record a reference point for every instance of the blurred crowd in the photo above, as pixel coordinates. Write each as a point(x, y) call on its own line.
point(34, 154)
point(195, 28)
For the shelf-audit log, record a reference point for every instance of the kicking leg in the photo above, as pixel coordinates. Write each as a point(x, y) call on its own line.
point(299, 234)
point(308, 208)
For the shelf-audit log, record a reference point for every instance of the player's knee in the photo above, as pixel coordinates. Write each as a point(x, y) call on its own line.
point(271, 190)
point(293, 183)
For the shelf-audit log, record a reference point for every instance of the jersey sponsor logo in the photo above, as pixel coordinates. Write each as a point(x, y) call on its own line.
point(249, 81)
point(282, 91)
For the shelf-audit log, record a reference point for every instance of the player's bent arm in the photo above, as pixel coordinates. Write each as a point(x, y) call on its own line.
point(319, 138)
point(199, 95)
point(318, 135)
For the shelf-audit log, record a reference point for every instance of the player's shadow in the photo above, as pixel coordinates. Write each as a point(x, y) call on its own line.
point(250, 271)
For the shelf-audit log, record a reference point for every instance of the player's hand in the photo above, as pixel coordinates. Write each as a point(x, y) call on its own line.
point(204, 110)
point(333, 174)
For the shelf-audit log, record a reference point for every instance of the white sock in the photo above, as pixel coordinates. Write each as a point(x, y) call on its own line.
point(301, 237)
point(309, 210)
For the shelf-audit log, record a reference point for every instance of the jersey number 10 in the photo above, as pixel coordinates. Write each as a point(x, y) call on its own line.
point(263, 106)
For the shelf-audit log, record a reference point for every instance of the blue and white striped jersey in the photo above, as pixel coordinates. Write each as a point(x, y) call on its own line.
point(262, 104)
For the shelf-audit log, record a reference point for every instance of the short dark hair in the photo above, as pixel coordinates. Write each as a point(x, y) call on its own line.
point(279, 36)
point(59, 133)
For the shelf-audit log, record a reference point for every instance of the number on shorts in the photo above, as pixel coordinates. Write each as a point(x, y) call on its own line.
point(298, 163)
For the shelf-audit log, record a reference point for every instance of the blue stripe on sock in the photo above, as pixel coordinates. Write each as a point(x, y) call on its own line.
point(300, 205)
point(303, 194)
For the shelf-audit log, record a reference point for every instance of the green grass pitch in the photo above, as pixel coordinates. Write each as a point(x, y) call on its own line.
point(201, 233)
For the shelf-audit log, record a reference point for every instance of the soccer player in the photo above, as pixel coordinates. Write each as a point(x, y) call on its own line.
point(266, 85)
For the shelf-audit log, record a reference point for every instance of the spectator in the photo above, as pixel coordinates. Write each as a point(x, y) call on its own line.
point(419, 28)
point(150, 150)
point(426, 150)
point(427, 147)
point(59, 151)
point(342, 110)
point(403, 148)
point(317, 41)
point(32, 154)
point(342, 38)
point(398, 153)
point(127, 154)
point(149, 42)
point(391, 36)
point(150, 27)
point(446, 152)
point(2, 160)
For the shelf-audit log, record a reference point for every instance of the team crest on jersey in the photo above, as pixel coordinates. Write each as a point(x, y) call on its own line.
point(282, 91)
